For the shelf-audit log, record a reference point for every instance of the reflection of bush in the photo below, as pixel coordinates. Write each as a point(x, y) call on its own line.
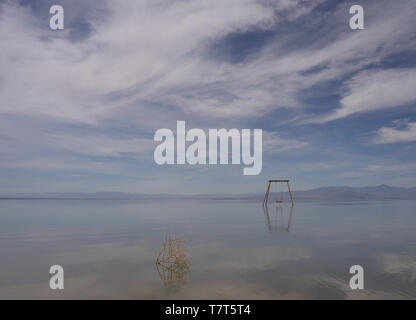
point(173, 262)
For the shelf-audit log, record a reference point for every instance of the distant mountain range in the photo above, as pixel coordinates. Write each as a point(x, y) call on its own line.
point(357, 193)
point(318, 194)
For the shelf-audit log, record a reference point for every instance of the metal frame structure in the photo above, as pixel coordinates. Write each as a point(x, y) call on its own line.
point(266, 197)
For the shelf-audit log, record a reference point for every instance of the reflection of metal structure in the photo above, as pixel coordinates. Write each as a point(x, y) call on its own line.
point(273, 221)
point(173, 262)
point(266, 197)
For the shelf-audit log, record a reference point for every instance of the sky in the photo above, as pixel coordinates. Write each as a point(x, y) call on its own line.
point(79, 107)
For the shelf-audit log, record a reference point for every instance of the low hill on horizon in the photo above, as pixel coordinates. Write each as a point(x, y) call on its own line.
point(328, 193)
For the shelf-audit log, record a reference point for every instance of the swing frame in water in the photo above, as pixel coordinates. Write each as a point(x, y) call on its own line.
point(266, 197)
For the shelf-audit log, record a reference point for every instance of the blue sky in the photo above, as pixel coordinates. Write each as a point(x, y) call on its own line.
point(79, 107)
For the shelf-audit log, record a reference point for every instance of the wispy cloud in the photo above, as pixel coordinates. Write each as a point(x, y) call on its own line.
point(274, 143)
point(143, 65)
point(393, 135)
point(380, 169)
point(147, 53)
point(375, 89)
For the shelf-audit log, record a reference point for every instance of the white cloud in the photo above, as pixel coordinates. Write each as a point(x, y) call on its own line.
point(398, 264)
point(410, 167)
point(381, 169)
point(374, 90)
point(145, 64)
point(392, 135)
point(142, 46)
point(61, 163)
point(274, 143)
point(147, 53)
point(39, 137)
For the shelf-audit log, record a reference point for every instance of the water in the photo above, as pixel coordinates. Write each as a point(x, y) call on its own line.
point(232, 249)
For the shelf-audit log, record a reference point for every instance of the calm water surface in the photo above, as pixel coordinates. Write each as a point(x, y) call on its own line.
point(231, 249)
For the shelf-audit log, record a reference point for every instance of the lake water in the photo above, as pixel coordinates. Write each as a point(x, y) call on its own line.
point(231, 249)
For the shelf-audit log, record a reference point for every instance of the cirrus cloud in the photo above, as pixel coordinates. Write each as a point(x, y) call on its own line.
point(374, 90)
point(393, 135)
